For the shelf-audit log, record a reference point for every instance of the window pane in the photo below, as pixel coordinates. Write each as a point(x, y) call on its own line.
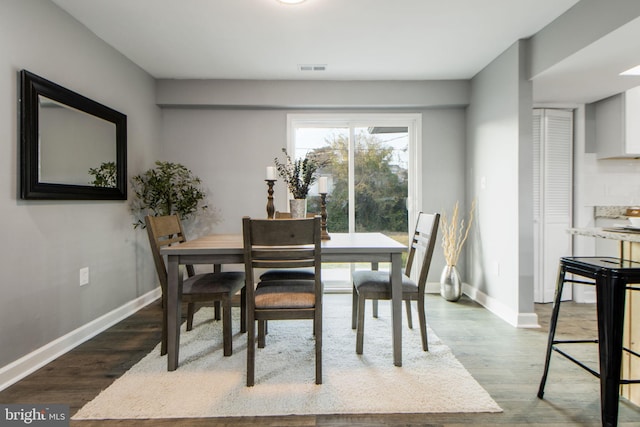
point(381, 180)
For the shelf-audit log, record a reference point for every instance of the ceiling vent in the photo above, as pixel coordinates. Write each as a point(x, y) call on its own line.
point(312, 67)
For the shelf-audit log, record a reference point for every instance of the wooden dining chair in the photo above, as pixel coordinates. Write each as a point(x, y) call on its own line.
point(306, 274)
point(218, 287)
point(375, 285)
point(282, 244)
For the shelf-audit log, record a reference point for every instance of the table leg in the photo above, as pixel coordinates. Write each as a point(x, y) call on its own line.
point(396, 306)
point(174, 290)
point(610, 298)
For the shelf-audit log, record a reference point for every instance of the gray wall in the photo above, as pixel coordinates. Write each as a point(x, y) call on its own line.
point(46, 242)
point(230, 149)
point(500, 179)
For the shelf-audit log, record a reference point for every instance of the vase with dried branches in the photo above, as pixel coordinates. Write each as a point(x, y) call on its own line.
point(454, 234)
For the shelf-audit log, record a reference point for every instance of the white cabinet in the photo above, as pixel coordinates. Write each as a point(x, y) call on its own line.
point(552, 197)
point(618, 125)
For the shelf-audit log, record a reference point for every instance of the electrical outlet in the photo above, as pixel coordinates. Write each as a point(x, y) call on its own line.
point(84, 276)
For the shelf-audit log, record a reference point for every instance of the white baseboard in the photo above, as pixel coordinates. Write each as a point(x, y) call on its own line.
point(33, 361)
point(519, 320)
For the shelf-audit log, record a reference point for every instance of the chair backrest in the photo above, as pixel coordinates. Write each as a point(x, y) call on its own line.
point(164, 231)
point(274, 243)
point(423, 242)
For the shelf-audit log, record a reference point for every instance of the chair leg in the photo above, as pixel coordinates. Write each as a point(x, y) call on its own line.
point(190, 312)
point(163, 346)
point(374, 306)
point(251, 349)
point(216, 305)
point(360, 328)
point(243, 310)
point(354, 307)
point(407, 304)
point(422, 318)
point(317, 326)
point(226, 328)
point(262, 332)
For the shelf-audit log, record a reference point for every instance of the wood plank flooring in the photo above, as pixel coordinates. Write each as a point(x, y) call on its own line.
point(506, 361)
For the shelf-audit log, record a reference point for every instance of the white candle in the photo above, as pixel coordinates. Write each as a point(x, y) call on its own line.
point(271, 173)
point(322, 185)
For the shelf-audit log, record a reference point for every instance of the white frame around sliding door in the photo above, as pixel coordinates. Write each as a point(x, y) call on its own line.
point(413, 121)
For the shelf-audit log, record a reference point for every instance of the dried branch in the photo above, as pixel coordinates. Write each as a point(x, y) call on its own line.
point(454, 233)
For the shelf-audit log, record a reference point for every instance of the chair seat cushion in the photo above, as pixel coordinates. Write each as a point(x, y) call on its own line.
point(378, 281)
point(285, 294)
point(287, 275)
point(214, 283)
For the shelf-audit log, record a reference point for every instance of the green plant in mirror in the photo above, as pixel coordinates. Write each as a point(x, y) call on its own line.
point(167, 189)
point(104, 175)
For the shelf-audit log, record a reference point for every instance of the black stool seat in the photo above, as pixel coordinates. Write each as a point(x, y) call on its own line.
point(611, 277)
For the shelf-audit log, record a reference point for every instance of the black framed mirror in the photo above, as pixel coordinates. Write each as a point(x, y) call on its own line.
point(71, 147)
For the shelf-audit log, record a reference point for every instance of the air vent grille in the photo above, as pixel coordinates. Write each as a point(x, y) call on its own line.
point(312, 67)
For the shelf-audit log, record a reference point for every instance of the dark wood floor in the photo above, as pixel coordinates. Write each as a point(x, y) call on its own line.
point(506, 361)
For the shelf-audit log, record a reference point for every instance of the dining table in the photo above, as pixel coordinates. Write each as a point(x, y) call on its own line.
point(218, 249)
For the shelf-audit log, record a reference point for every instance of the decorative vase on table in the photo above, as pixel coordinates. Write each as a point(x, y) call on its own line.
point(298, 208)
point(450, 283)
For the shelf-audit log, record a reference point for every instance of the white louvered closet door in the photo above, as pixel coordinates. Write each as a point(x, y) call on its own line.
point(553, 197)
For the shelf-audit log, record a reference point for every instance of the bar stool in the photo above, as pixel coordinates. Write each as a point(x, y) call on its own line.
point(611, 277)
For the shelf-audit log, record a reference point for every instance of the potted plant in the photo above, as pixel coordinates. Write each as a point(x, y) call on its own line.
point(167, 189)
point(454, 234)
point(298, 174)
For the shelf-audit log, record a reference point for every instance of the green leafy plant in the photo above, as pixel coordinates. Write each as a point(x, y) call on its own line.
point(298, 174)
point(167, 189)
point(104, 175)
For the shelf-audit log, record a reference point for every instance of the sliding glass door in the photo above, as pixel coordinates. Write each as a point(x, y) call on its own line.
point(372, 178)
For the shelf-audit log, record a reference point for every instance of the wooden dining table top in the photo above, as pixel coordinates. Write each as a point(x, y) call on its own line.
point(339, 243)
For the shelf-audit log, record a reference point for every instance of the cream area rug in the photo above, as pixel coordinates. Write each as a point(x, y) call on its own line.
point(207, 384)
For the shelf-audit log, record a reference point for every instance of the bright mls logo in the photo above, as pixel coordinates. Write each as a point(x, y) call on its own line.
point(34, 415)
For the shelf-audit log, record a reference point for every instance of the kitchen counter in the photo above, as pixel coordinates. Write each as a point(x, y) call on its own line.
point(606, 233)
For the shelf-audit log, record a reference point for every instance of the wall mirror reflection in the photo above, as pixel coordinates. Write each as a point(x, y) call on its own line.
point(71, 147)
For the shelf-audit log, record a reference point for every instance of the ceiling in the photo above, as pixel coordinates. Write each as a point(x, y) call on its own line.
point(353, 39)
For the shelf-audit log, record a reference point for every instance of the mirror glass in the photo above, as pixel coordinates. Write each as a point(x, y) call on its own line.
point(71, 147)
point(64, 130)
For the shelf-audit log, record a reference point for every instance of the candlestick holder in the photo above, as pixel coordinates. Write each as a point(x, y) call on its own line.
point(324, 235)
point(271, 210)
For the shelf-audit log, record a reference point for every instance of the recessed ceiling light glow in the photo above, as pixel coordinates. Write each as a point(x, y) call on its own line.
point(635, 71)
point(290, 1)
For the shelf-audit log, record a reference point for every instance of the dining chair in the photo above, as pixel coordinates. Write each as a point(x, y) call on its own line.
point(218, 287)
point(375, 285)
point(282, 244)
point(306, 274)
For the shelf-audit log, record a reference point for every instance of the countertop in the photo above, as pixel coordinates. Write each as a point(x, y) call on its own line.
point(605, 233)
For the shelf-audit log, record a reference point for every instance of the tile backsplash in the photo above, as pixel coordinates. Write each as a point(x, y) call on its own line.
point(610, 182)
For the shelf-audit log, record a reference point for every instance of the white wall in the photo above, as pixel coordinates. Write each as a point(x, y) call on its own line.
point(500, 179)
point(45, 243)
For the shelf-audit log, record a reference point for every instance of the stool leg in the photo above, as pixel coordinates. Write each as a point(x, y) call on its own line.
point(610, 294)
point(552, 328)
